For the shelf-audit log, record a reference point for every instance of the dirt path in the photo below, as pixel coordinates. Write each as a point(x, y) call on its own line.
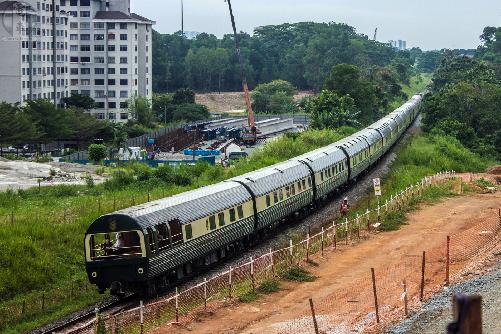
point(427, 229)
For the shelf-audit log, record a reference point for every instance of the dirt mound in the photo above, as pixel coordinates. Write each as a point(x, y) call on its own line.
point(496, 170)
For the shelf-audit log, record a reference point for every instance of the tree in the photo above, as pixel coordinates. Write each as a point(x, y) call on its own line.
point(190, 112)
point(346, 79)
point(329, 111)
point(182, 96)
point(161, 105)
point(140, 109)
point(276, 97)
point(79, 101)
point(54, 123)
point(97, 152)
point(15, 126)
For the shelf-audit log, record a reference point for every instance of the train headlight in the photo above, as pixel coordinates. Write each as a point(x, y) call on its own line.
point(94, 274)
point(140, 271)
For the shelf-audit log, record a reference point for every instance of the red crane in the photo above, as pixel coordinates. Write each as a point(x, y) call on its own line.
point(249, 133)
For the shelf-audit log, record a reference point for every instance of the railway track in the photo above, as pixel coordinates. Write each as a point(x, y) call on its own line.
point(113, 304)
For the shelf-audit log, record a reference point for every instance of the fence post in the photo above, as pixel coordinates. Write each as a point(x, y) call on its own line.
point(334, 237)
point(423, 268)
point(346, 230)
point(308, 247)
point(205, 294)
point(252, 273)
point(368, 220)
point(229, 282)
point(406, 309)
point(177, 304)
point(447, 261)
point(291, 251)
point(323, 241)
point(358, 226)
point(374, 290)
point(141, 315)
point(272, 262)
point(315, 324)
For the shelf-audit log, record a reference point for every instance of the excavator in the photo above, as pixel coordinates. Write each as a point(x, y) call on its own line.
point(249, 132)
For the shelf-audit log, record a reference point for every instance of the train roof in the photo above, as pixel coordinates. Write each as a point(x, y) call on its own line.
point(322, 158)
point(353, 144)
point(266, 180)
point(186, 207)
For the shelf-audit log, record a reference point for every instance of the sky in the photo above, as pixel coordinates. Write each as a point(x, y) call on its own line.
point(428, 24)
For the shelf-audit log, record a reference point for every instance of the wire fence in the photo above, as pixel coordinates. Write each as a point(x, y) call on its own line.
point(390, 290)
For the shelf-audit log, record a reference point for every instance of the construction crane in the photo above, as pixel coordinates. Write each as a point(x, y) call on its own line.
point(249, 133)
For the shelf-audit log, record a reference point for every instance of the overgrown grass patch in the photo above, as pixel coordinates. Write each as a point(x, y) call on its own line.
point(248, 297)
point(269, 286)
point(298, 274)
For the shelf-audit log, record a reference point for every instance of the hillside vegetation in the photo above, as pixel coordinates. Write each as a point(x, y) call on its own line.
point(466, 95)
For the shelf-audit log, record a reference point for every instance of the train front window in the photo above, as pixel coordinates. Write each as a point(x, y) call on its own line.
point(117, 245)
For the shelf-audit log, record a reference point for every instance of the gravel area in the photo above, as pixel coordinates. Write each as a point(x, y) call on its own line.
point(25, 174)
point(437, 312)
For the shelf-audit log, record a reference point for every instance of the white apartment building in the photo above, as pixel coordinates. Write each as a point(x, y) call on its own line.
point(101, 50)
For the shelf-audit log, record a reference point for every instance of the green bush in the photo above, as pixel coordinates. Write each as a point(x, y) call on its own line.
point(248, 297)
point(97, 152)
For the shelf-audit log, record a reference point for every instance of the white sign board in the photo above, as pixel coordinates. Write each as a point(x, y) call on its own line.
point(377, 187)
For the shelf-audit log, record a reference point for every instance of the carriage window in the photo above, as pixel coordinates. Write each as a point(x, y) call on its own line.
point(240, 211)
point(176, 232)
point(268, 200)
point(329, 172)
point(309, 182)
point(293, 189)
point(232, 215)
point(162, 235)
point(220, 218)
point(287, 192)
point(281, 194)
point(211, 224)
point(336, 169)
point(188, 230)
point(299, 186)
point(275, 197)
point(304, 184)
point(322, 175)
point(114, 246)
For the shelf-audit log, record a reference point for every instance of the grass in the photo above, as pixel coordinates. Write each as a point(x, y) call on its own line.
point(248, 297)
point(298, 274)
point(42, 247)
point(269, 286)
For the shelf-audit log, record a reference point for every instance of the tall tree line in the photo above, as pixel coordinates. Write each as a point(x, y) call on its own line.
point(301, 53)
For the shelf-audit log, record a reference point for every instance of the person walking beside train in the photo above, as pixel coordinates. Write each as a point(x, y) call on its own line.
point(344, 209)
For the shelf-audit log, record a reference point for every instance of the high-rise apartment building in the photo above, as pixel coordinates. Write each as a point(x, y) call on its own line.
point(99, 49)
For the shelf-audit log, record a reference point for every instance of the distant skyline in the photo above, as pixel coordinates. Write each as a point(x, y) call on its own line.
point(427, 24)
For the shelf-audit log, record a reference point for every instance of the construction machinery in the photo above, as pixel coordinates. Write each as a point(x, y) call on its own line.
point(249, 132)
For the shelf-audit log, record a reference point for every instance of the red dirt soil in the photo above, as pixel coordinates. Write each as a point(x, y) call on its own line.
point(427, 228)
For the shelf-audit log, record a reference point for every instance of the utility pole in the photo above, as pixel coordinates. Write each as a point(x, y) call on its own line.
point(54, 51)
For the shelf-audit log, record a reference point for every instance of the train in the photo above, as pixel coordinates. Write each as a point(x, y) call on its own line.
point(147, 247)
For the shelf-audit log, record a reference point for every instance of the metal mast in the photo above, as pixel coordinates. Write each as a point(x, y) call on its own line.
point(252, 123)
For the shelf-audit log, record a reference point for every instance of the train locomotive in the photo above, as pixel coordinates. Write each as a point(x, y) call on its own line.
point(147, 247)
